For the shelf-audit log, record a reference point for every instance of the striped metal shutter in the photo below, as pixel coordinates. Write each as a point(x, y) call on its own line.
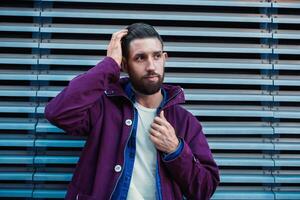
point(238, 61)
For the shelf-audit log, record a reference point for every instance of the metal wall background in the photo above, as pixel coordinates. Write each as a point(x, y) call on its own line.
point(238, 61)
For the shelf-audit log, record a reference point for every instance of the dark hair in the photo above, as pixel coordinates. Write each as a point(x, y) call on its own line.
point(138, 31)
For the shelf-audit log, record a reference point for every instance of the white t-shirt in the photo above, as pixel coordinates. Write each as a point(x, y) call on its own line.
point(143, 182)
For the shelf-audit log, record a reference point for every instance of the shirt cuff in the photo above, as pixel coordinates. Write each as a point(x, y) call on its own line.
point(174, 154)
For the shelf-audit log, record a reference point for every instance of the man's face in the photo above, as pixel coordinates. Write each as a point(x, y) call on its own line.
point(145, 65)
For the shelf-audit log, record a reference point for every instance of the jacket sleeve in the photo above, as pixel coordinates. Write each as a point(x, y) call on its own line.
point(195, 170)
point(70, 109)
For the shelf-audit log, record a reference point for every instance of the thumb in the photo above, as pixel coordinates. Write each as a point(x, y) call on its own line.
point(162, 114)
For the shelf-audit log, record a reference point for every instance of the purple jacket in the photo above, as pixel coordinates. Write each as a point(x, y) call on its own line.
point(95, 104)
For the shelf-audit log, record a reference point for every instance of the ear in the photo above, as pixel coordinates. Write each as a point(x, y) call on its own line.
point(124, 65)
point(165, 55)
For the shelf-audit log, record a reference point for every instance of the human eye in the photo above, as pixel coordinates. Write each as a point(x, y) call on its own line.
point(157, 55)
point(139, 58)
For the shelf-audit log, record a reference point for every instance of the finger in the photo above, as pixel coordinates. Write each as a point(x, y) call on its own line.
point(155, 140)
point(161, 121)
point(156, 126)
point(161, 129)
point(120, 31)
point(154, 133)
point(118, 35)
point(162, 114)
point(158, 144)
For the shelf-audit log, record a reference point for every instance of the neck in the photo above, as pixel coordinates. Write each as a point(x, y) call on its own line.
point(149, 101)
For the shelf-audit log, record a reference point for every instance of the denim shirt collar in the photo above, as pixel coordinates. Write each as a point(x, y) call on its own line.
point(131, 95)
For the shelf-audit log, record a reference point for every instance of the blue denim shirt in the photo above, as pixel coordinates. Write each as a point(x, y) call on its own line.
point(121, 191)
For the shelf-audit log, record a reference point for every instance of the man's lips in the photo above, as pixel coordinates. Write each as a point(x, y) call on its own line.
point(151, 77)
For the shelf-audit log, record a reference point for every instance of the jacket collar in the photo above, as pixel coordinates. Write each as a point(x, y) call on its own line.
point(171, 94)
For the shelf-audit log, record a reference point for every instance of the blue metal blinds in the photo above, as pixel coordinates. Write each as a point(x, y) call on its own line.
point(238, 61)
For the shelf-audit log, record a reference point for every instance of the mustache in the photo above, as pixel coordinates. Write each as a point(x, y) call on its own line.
point(151, 74)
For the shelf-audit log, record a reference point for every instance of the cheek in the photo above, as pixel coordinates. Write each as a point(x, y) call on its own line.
point(136, 69)
point(160, 66)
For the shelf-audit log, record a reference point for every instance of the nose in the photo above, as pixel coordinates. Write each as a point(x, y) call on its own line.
point(150, 65)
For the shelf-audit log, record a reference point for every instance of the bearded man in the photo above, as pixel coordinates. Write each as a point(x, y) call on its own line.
point(141, 143)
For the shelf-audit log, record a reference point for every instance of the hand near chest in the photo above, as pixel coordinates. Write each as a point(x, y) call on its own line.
point(163, 135)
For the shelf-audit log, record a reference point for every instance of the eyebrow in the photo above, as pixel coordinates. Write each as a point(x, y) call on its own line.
point(142, 53)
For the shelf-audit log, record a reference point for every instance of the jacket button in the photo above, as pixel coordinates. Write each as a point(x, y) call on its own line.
point(109, 92)
point(128, 122)
point(195, 160)
point(118, 168)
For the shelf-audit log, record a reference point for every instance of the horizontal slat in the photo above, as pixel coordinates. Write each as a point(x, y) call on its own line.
point(47, 127)
point(193, 94)
point(286, 80)
point(226, 95)
point(29, 75)
point(287, 144)
point(287, 178)
point(244, 3)
point(289, 19)
point(285, 161)
point(292, 195)
point(189, 78)
point(169, 46)
point(69, 60)
point(207, 110)
point(287, 49)
point(287, 65)
point(16, 176)
point(236, 128)
point(59, 143)
point(50, 193)
point(286, 34)
point(17, 107)
point(217, 128)
point(246, 178)
point(51, 176)
point(18, 59)
point(15, 192)
point(234, 161)
point(169, 31)
point(237, 111)
point(174, 62)
point(287, 96)
point(17, 124)
point(154, 15)
point(22, 27)
point(56, 159)
point(225, 178)
point(286, 112)
point(25, 12)
point(18, 91)
point(243, 195)
point(16, 159)
point(286, 4)
point(17, 142)
point(221, 161)
point(240, 144)
point(19, 43)
point(58, 75)
point(286, 128)
point(213, 144)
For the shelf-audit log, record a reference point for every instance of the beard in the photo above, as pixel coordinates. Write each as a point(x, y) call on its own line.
point(145, 87)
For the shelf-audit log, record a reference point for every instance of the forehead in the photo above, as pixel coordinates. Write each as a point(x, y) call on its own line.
point(145, 45)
